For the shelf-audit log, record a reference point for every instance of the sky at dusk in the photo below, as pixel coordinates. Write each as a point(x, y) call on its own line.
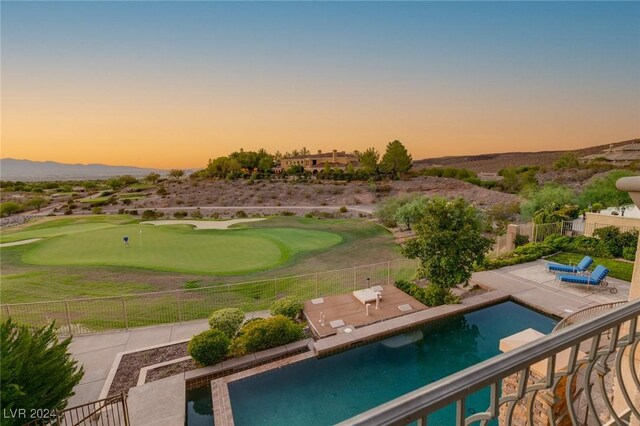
point(172, 84)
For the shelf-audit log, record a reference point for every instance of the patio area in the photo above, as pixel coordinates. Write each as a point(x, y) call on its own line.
point(335, 314)
point(531, 284)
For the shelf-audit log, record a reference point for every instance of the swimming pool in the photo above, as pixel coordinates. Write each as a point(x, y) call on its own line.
point(328, 390)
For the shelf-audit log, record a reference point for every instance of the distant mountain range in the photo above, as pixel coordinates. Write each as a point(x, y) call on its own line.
point(27, 170)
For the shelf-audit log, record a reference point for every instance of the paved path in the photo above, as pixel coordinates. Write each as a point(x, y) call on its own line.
point(528, 283)
point(357, 208)
point(96, 352)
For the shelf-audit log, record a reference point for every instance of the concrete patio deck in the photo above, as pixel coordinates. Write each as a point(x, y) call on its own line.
point(531, 284)
point(350, 312)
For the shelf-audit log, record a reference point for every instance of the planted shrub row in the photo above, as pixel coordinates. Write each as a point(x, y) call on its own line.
point(228, 336)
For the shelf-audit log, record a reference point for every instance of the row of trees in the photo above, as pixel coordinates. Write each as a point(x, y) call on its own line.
point(395, 162)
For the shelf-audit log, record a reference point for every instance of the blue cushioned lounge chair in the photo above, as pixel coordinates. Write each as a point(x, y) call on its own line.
point(569, 269)
point(597, 277)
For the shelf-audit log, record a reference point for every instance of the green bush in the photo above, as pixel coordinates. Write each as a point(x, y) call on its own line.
point(264, 334)
point(520, 240)
point(629, 253)
point(290, 307)
point(227, 320)
point(432, 295)
point(209, 347)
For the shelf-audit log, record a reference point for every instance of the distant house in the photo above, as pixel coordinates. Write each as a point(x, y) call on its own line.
point(315, 163)
point(620, 155)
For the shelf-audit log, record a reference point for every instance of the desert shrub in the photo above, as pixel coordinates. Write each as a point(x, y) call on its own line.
point(227, 320)
point(96, 210)
point(9, 207)
point(343, 209)
point(290, 307)
point(209, 347)
point(287, 213)
point(241, 214)
point(149, 215)
point(180, 214)
point(196, 214)
point(264, 334)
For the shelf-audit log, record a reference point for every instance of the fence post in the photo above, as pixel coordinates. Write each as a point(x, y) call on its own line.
point(66, 309)
point(8, 311)
point(275, 289)
point(124, 312)
point(388, 272)
point(355, 278)
point(316, 285)
point(179, 310)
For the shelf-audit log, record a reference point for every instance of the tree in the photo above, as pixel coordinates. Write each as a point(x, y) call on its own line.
point(128, 180)
point(396, 159)
point(37, 370)
point(37, 202)
point(266, 164)
point(449, 241)
point(176, 173)
point(386, 211)
point(412, 212)
point(152, 178)
point(115, 183)
point(369, 160)
point(222, 167)
point(8, 208)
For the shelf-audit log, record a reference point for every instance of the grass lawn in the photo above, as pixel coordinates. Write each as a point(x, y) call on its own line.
point(89, 200)
point(359, 242)
point(180, 248)
point(53, 227)
point(617, 268)
point(84, 257)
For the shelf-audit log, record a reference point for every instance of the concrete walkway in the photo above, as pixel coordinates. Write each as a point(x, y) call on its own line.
point(528, 283)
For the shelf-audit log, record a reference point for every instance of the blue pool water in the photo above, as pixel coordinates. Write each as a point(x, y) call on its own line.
point(328, 390)
point(199, 407)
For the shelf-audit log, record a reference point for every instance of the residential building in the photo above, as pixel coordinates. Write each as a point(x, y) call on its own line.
point(317, 162)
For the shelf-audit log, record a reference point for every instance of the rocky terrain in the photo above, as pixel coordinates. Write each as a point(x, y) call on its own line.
point(315, 193)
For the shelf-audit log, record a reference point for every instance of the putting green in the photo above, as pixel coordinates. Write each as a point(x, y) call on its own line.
point(180, 248)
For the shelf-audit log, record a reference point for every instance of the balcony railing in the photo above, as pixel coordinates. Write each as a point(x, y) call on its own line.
point(580, 362)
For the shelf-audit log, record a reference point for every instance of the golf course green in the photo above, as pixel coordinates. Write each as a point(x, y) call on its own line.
point(174, 248)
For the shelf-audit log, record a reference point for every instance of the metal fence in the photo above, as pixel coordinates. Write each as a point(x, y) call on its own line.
point(111, 411)
point(537, 232)
point(81, 316)
point(582, 362)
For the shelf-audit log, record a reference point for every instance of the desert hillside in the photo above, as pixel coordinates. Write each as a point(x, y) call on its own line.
point(491, 163)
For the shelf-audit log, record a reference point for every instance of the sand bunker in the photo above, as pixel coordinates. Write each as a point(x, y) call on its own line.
point(203, 224)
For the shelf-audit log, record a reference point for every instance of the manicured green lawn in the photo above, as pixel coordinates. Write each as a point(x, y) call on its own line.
point(179, 248)
point(52, 227)
point(617, 269)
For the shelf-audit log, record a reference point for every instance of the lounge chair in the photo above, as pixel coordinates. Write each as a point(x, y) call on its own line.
point(579, 268)
point(597, 277)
